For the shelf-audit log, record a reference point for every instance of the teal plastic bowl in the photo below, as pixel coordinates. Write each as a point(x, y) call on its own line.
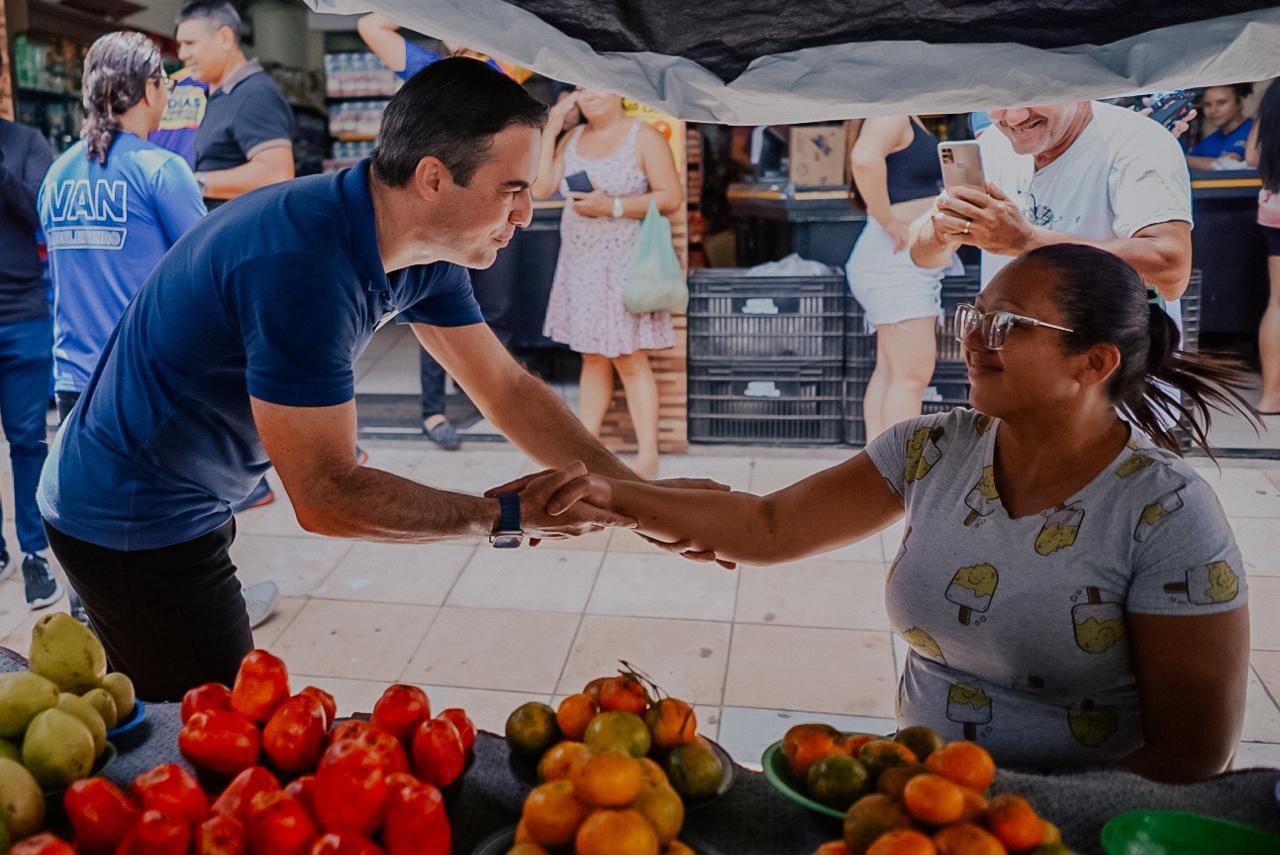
point(1171, 832)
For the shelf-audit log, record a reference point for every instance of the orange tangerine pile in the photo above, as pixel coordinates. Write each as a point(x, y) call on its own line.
point(913, 794)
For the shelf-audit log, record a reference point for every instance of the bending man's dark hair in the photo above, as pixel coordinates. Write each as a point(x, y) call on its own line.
point(1268, 120)
point(1157, 387)
point(219, 13)
point(450, 110)
point(116, 71)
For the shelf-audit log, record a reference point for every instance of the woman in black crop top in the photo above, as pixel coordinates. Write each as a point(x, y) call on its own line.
point(895, 170)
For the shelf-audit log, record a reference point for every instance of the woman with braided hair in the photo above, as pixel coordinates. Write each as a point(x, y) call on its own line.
point(112, 205)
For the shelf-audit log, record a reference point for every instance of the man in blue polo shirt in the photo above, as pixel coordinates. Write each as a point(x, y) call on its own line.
point(238, 353)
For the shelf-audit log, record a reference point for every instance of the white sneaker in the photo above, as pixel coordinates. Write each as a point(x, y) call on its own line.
point(260, 601)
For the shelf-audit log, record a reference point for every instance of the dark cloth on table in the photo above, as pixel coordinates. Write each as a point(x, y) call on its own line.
point(754, 818)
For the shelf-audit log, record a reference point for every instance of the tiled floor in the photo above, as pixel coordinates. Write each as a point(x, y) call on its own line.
point(488, 630)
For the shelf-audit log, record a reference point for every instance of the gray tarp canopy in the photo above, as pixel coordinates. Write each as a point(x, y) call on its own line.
point(786, 61)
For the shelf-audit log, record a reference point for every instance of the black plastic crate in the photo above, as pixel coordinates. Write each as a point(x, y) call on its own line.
point(737, 317)
point(947, 389)
point(1191, 304)
point(955, 290)
point(860, 343)
point(855, 425)
point(766, 403)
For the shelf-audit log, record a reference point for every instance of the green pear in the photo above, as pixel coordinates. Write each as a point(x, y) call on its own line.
point(21, 802)
point(57, 750)
point(22, 695)
point(83, 710)
point(121, 689)
point(65, 651)
point(10, 751)
point(101, 700)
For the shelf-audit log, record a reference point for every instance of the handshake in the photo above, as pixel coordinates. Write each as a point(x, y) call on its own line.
point(569, 502)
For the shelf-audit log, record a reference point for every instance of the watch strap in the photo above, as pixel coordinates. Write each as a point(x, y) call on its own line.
point(509, 516)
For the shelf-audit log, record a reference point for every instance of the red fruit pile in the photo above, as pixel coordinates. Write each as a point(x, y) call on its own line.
point(358, 788)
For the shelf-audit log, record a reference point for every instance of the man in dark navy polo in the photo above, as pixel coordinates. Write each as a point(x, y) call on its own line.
point(237, 354)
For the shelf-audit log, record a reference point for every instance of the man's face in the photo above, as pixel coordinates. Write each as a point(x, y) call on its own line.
point(204, 49)
point(1221, 106)
point(1034, 130)
point(481, 218)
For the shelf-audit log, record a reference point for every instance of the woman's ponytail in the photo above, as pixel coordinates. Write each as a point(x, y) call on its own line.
point(116, 72)
point(1180, 389)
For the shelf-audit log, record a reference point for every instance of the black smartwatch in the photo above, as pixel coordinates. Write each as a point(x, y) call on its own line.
point(508, 535)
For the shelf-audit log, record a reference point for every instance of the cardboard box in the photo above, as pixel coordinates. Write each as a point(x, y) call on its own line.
point(818, 156)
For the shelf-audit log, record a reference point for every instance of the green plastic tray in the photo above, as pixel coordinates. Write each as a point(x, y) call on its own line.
point(1169, 832)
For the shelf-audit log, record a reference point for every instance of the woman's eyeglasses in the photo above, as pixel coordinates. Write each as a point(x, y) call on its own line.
point(994, 326)
point(166, 83)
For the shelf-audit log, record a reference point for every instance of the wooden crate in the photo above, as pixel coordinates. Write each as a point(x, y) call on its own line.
point(669, 368)
point(670, 371)
point(6, 90)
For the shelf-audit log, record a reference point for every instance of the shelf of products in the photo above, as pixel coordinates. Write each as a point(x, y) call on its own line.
point(46, 74)
point(357, 88)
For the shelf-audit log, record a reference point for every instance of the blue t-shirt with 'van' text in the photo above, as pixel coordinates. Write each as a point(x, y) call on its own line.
point(107, 227)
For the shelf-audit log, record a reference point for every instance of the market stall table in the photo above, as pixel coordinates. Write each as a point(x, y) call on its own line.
point(755, 818)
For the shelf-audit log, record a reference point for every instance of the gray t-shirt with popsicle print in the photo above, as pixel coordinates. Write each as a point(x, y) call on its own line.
point(1017, 626)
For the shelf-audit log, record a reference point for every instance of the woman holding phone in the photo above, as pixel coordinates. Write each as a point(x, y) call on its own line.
point(895, 170)
point(609, 168)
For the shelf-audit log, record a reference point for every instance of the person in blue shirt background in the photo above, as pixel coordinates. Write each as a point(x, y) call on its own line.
point(1223, 110)
point(111, 205)
point(238, 354)
point(405, 59)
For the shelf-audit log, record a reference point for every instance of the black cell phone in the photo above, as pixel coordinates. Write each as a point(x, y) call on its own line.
point(1168, 107)
point(579, 182)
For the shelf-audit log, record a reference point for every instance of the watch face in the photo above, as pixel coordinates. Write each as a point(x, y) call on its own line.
point(507, 541)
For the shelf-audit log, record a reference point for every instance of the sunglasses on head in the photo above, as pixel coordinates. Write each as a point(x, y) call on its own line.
point(994, 327)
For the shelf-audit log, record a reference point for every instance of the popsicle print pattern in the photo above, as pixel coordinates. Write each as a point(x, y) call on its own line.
point(1134, 464)
point(1060, 530)
point(972, 588)
point(1092, 725)
point(983, 498)
point(924, 644)
point(1208, 584)
point(1157, 512)
point(923, 452)
point(968, 706)
point(902, 551)
point(1098, 626)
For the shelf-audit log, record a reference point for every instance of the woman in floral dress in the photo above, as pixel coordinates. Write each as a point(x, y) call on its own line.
point(628, 164)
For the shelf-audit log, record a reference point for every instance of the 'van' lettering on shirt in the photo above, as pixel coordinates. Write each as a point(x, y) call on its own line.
point(92, 207)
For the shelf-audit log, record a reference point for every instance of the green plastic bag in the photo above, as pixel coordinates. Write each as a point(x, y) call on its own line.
point(655, 282)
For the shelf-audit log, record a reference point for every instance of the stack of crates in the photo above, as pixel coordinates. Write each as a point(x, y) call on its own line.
point(766, 358)
point(1190, 304)
point(949, 386)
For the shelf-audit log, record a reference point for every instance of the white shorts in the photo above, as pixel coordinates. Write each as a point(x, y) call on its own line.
point(888, 284)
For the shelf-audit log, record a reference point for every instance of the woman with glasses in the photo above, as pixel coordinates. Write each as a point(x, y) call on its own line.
point(111, 205)
point(1069, 587)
